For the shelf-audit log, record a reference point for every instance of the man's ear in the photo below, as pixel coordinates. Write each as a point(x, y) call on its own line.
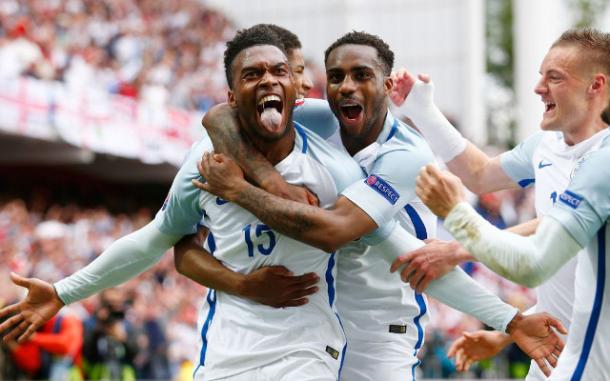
point(388, 83)
point(231, 99)
point(598, 84)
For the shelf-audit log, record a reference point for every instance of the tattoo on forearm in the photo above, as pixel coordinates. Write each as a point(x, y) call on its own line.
point(230, 141)
point(287, 217)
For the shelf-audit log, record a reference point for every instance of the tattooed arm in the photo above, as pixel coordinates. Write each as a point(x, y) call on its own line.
point(327, 229)
point(222, 125)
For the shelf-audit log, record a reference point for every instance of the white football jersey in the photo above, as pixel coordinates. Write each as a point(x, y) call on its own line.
point(544, 159)
point(238, 334)
point(583, 209)
point(375, 305)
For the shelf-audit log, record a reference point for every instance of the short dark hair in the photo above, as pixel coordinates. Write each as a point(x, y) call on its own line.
point(259, 34)
point(594, 44)
point(289, 39)
point(362, 38)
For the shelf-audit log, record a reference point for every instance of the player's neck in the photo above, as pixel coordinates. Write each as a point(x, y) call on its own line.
point(584, 132)
point(355, 144)
point(274, 150)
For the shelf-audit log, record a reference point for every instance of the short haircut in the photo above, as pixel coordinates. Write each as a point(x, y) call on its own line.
point(259, 34)
point(362, 38)
point(289, 39)
point(595, 46)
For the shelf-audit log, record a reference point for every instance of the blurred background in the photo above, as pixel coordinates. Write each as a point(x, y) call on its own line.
point(100, 99)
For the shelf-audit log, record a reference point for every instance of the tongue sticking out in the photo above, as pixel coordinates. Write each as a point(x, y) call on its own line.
point(271, 118)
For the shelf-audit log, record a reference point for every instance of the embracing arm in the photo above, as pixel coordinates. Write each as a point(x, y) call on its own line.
point(327, 229)
point(197, 264)
point(222, 125)
point(274, 286)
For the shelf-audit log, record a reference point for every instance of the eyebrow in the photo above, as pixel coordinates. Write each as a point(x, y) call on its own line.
point(256, 66)
point(553, 71)
point(357, 68)
point(363, 67)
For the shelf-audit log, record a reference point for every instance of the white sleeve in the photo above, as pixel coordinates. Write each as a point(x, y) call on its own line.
point(526, 260)
point(456, 289)
point(532, 310)
point(444, 139)
point(460, 291)
point(125, 259)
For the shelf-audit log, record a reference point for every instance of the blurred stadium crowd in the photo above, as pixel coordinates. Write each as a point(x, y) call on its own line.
point(170, 52)
point(146, 329)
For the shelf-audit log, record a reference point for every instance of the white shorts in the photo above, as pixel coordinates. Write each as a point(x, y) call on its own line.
point(300, 366)
point(375, 361)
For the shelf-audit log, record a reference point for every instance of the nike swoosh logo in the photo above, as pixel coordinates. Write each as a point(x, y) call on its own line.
point(542, 165)
point(220, 201)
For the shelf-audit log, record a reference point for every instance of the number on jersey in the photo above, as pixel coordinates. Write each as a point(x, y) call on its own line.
point(263, 238)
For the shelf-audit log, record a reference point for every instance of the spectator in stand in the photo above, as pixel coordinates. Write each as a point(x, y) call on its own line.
point(110, 340)
point(54, 352)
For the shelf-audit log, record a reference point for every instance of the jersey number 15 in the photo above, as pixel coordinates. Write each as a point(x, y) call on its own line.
point(264, 238)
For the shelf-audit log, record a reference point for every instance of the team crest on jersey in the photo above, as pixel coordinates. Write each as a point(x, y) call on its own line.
point(383, 188)
point(571, 199)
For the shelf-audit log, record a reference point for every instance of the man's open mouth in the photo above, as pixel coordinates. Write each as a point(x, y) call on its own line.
point(270, 110)
point(269, 102)
point(548, 106)
point(351, 111)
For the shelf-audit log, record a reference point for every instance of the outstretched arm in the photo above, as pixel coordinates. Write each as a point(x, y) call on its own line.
point(274, 286)
point(451, 288)
point(222, 125)
point(525, 260)
point(535, 334)
point(437, 258)
point(123, 260)
point(479, 172)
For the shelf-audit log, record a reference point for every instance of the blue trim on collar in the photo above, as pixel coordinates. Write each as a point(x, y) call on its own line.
point(393, 130)
point(301, 131)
